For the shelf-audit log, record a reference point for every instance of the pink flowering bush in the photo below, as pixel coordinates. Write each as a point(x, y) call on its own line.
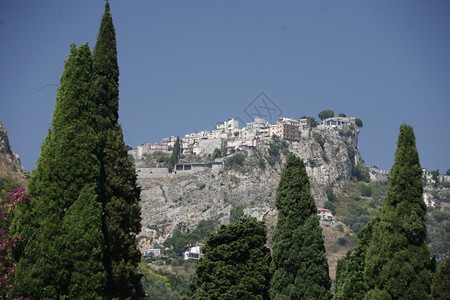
point(7, 242)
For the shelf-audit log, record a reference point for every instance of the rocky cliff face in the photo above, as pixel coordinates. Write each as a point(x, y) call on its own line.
point(10, 165)
point(249, 179)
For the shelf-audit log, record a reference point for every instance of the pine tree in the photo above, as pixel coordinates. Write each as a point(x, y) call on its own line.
point(62, 252)
point(119, 191)
point(299, 265)
point(397, 260)
point(235, 265)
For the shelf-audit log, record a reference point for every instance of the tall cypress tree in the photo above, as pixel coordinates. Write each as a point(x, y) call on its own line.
point(398, 260)
point(299, 265)
point(119, 191)
point(62, 252)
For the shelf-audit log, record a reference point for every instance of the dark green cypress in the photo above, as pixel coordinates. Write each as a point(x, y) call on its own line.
point(440, 289)
point(299, 265)
point(235, 265)
point(119, 191)
point(62, 252)
point(398, 260)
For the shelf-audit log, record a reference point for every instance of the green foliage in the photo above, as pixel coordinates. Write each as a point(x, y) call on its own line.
point(235, 161)
point(366, 191)
point(7, 184)
point(350, 282)
point(276, 148)
point(329, 205)
point(397, 260)
point(262, 163)
point(359, 123)
point(237, 213)
point(330, 194)
point(80, 228)
point(379, 191)
point(361, 172)
point(7, 241)
point(319, 139)
point(325, 114)
point(341, 241)
point(159, 284)
point(119, 192)
point(358, 217)
point(217, 153)
point(351, 151)
point(342, 115)
point(345, 133)
point(235, 265)
point(62, 252)
point(175, 154)
point(299, 267)
point(448, 172)
point(3, 134)
point(180, 238)
point(157, 159)
point(440, 288)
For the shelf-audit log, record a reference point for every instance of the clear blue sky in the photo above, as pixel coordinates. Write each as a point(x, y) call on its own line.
point(186, 64)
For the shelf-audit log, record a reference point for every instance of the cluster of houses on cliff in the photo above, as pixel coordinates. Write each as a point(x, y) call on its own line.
point(229, 135)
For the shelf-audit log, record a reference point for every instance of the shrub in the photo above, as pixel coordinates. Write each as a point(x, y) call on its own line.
point(365, 190)
point(235, 161)
point(361, 172)
point(319, 139)
point(325, 114)
point(341, 241)
point(262, 163)
point(330, 194)
point(330, 206)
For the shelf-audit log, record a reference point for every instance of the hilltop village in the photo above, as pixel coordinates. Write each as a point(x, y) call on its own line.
point(231, 138)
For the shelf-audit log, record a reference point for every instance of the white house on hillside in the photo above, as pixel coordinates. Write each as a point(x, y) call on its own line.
point(194, 252)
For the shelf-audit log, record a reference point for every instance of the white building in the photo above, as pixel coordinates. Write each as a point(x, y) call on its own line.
point(194, 252)
point(234, 145)
point(324, 214)
point(336, 122)
point(230, 126)
point(155, 252)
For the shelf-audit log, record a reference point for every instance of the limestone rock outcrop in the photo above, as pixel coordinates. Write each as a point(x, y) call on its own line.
point(210, 193)
point(10, 165)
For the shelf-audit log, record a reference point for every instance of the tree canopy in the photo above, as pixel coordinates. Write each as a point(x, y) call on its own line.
point(299, 265)
point(325, 114)
point(62, 253)
point(440, 288)
point(80, 227)
point(118, 188)
point(392, 260)
point(235, 264)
